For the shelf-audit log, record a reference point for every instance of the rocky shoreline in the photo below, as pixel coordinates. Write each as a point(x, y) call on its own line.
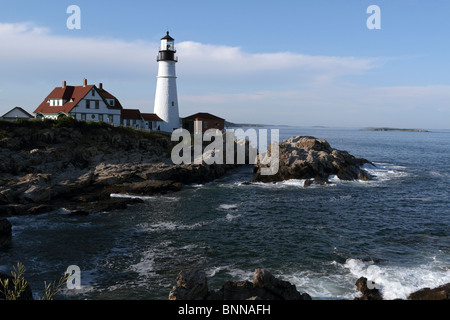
point(77, 165)
point(193, 285)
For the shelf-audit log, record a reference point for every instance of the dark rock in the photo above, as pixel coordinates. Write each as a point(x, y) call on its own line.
point(279, 288)
point(41, 208)
point(439, 293)
point(5, 233)
point(308, 182)
point(190, 286)
point(367, 294)
point(193, 286)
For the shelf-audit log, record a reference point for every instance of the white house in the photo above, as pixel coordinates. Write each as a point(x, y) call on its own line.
point(15, 114)
point(92, 103)
point(86, 102)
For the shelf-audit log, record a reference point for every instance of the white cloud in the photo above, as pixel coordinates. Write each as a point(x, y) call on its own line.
point(35, 51)
point(280, 87)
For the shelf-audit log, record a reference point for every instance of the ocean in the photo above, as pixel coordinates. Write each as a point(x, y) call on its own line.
point(394, 230)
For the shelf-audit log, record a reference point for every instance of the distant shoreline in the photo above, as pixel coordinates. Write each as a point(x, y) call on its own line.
point(394, 129)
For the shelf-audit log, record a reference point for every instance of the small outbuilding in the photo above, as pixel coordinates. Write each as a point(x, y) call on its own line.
point(16, 114)
point(202, 121)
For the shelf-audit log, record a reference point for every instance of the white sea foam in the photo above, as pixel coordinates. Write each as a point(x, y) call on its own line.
point(385, 171)
point(159, 197)
point(146, 266)
point(228, 206)
point(440, 174)
point(398, 282)
point(167, 226)
point(231, 217)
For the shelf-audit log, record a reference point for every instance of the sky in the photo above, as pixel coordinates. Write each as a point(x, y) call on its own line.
point(284, 62)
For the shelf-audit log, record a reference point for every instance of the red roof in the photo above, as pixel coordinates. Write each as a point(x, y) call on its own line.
point(74, 94)
point(151, 117)
point(106, 95)
point(203, 115)
point(130, 114)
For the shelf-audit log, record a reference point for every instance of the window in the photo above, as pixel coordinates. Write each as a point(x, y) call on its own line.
point(88, 104)
point(93, 92)
point(83, 116)
point(93, 116)
point(100, 117)
point(110, 118)
point(111, 102)
point(173, 103)
point(97, 104)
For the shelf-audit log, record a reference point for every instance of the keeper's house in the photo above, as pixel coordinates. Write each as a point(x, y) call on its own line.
point(86, 102)
point(92, 103)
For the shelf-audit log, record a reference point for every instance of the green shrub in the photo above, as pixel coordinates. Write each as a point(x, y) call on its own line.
point(14, 289)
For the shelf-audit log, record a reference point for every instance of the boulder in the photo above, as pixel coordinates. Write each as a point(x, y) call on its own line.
point(281, 289)
point(367, 294)
point(439, 293)
point(191, 285)
point(311, 158)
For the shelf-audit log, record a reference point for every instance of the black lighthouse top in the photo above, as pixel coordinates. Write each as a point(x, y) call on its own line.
point(167, 50)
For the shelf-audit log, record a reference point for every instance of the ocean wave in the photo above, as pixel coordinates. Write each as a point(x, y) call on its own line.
point(158, 197)
point(167, 226)
point(384, 171)
point(397, 282)
point(228, 206)
point(437, 174)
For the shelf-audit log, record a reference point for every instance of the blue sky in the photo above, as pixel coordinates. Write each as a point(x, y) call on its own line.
point(291, 62)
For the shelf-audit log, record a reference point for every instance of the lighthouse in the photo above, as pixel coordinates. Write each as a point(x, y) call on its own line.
point(166, 100)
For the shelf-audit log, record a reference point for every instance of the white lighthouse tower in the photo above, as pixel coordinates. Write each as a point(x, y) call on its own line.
point(166, 99)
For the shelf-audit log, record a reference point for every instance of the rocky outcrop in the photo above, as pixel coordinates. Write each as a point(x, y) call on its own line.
point(193, 286)
point(439, 293)
point(77, 165)
point(312, 159)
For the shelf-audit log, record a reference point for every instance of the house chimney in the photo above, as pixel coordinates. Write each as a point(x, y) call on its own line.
point(84, 82)
point(100, 86)
point(64, 84)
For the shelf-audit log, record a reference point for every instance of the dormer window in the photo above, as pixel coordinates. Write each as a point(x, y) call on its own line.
point(93, 92)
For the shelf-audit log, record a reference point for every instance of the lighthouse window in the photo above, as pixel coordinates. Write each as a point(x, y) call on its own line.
point(173, 103)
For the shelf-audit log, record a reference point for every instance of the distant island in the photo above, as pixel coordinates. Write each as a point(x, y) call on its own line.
point(229, 124)
point(232, 124)
point(394, 129)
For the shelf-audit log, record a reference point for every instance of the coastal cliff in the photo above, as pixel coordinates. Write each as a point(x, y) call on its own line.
point(77, 165)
